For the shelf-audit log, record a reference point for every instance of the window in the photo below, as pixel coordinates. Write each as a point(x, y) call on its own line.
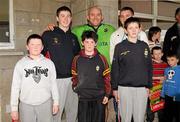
point(6, 24)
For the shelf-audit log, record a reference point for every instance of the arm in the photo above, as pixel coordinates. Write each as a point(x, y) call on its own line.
point(74, 72)
point(166, 45)
point(45, 51)
point(150, 71)
point(107, 78)
point(54, 90)
point(76, 46)
point(15, 92)
point(115, 73)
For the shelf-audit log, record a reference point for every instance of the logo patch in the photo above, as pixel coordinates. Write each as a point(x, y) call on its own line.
point(56, 41)
point(125, 52)
point(97, 68)
point(36, 73)
point(105, 30)
point(146, 52)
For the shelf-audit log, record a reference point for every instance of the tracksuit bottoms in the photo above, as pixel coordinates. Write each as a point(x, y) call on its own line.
point(68, 100)
point(133, 102)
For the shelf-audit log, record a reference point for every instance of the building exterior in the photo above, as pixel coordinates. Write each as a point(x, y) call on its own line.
point(24, 17)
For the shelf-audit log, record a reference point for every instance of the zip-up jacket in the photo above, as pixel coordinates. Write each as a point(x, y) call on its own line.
point(132, 65)
point(91, 76)
point(60, 47)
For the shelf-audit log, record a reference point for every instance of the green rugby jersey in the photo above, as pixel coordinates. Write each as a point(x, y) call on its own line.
point(103, 31)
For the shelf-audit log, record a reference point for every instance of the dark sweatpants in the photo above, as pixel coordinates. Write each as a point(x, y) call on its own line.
point(91, 111)
point(171, 110)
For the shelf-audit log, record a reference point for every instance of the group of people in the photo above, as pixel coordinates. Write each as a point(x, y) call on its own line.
point(77, 71)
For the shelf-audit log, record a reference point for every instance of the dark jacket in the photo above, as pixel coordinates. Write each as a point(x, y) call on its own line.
point(60, 47)
point(171, 41)
point(132, 65)
point(91, 76)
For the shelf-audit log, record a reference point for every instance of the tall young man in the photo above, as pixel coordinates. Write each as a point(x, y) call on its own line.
point(60, 45)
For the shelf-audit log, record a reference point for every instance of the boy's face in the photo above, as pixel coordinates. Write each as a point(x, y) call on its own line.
point(89, 45)
point(132, 30)
point(172, 61)
point(34, 47)
point(64, 19)
point(124, 15)
point(157, 55)
point(95, 17)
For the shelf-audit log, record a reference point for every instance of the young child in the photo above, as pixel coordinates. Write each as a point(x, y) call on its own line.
point(34, 85)
point(91, 80)
point(131, 74)
point(158, 77)
point(154, 35)
point(171, 89)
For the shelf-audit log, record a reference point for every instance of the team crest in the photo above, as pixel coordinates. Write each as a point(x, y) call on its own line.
point(105, 30)
point(56, 41)
point(146, 52)
point(97, 68)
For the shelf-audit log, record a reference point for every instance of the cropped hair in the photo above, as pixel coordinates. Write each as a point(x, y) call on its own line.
point(63, 8)
point(126, 8)
point(89, 35)
point(172, 54)
point(156, 48)
point(131, 20)
point(153, 30)
point(34, 36)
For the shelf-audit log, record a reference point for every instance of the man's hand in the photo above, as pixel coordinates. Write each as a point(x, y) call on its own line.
point(55, 109)
point(50, 26)
point(105, 100)
point(14, 115)
point(115, 94)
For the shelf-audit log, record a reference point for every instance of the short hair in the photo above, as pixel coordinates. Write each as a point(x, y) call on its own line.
point(34, 36)
point(94, 7)
point(153, 30)
point(63, 8)
point(131, 20)
point(89, 35)
point(126, 8)
point(156, 48)
point(177, 11)
point(172, 54)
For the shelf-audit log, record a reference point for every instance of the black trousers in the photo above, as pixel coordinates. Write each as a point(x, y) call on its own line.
point(91, 111)
point(151, 115)
point(171, 110)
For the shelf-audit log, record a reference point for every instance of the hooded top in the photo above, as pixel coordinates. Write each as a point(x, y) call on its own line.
point(34, 82)
point(91, 76)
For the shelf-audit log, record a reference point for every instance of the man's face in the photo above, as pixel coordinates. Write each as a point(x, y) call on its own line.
point(64, 19)
point(172, 61)
point(94, 17)
point(178, 17)
point(124, 15)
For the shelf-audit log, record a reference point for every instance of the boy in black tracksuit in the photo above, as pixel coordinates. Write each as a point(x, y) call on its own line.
point(91, 80)
point(131, 74)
